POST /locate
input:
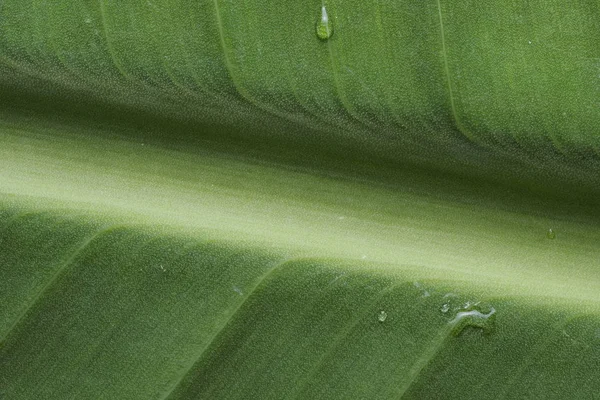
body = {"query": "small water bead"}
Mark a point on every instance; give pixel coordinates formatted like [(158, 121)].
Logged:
[(324, 25), (551, 234), (238, 290), (451, 303), (382, 316)]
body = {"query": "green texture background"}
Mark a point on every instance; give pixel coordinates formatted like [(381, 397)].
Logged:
[(202, 200)]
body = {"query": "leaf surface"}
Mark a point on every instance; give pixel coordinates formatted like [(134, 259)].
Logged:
[(205, 200)]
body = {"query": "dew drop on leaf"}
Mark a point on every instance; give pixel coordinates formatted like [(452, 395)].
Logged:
[(451, 303), (475, 315), (551, 234), (324, 25), (382, 316)]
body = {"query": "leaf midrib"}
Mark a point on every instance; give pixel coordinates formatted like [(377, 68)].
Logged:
[(414, 230)]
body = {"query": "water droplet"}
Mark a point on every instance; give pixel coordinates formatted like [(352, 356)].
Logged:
[(451, 303), (551, 234), (382, 316), (476, 315), (324, 25)]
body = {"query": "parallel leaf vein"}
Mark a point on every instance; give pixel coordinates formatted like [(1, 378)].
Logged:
[(222, 327), (448, 78), (51, 281)]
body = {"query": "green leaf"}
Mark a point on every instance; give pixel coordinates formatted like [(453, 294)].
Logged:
[(208, 200)]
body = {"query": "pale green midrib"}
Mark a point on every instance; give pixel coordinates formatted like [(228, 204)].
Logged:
[(52, 280), (175, 385), (485, 275), (262, 213), (342, 335)]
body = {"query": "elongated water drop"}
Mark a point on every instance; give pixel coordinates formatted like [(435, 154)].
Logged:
[(551, 234), (382, 316), (475, 316), (324, 25)]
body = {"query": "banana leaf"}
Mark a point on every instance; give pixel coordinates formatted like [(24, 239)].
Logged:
[(219, 199)]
